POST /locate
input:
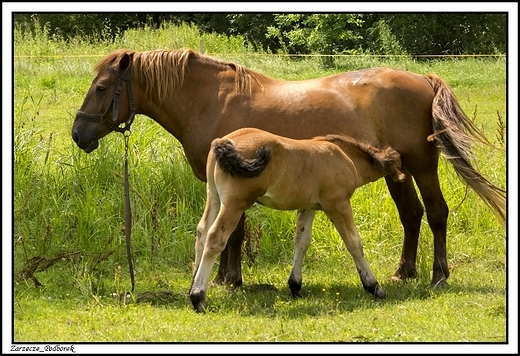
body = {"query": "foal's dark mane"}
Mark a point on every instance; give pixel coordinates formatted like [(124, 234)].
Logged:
[(162, 71), (344, 142)]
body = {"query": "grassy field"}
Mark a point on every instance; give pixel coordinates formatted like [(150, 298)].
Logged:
[(68, 214)]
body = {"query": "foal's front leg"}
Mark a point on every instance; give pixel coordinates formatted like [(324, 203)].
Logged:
[(302, 240), (341, 216)]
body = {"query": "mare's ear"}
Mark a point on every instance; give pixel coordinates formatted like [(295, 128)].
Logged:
[(124, 62)]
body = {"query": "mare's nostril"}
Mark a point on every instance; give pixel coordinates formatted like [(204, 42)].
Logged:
[(75, 137)]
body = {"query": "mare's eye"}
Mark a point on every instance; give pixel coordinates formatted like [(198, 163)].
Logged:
[(100, 89)]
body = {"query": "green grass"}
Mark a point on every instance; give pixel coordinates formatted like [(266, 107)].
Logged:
[(68, 210)]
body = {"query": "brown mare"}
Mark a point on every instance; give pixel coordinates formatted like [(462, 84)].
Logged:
[(251, 165), (198, 98)]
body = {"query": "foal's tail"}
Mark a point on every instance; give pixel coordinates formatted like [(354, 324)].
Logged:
[(232, 162), (454, 132)]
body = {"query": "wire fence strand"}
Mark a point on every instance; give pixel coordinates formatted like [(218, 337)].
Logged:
[(292, 55)]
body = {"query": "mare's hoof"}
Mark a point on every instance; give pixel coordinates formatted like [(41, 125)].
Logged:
[(396, 278), (402, 274), (441, 284), (232, 286), (219, 280), (233, 283)]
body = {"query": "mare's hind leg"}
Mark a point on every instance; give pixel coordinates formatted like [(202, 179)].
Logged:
[(230, 268), (217, 237), (302, 240), (410, 212), (341, 216), (437, 213)]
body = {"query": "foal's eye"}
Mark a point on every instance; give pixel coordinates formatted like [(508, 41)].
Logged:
[(100, 89)]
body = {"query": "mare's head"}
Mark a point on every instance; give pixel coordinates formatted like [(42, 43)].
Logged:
[(108, 104)]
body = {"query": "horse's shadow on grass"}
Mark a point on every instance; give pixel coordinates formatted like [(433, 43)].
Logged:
[(321, 299), (318, 299)]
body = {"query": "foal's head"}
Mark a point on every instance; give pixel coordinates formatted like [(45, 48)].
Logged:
[(386, 160), (389, 161)]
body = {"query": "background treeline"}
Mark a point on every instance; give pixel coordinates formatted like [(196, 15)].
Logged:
[(304, 33)]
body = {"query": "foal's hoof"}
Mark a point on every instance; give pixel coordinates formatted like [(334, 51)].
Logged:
[(297, 293), (295, 285), (375, 290), (198, 300), (379, 293)]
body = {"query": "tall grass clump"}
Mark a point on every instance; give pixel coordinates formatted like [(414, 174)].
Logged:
[(171, 36), (73, 206)]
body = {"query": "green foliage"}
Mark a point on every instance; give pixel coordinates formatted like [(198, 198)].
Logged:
[(300, 33), (437, 33), (184, 35), (322, 34), (383, 40), (93, 26)]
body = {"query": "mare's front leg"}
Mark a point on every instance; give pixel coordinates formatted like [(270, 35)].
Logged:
[(410, 212), (230, 268), (341, 216), (217, 237), (302, 240)]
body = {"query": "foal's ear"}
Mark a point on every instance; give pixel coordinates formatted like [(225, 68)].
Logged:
[(124, 62)]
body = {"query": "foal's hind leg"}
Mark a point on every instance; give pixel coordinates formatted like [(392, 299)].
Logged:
[(341, 216), (410, 212), (218, 235), (302, 240), (210, 214)]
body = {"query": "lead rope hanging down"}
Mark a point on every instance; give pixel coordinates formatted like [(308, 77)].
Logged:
[(128, 214)]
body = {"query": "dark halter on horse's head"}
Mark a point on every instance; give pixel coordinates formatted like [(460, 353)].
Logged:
[(103, 118)]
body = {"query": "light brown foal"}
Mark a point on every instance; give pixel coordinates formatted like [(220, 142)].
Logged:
[(250, 165)]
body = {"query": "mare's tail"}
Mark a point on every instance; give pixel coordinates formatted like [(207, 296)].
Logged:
[(230, 161), (454, 132)]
